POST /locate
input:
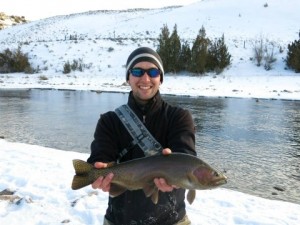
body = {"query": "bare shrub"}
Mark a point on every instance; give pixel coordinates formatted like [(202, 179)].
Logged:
[(258, 52), (269, 57), (264, 54)]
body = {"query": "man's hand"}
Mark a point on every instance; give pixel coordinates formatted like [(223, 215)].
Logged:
[(161, 183), (166, 151), (102, 183)]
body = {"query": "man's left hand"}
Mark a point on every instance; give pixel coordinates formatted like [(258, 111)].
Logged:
[(161, 183)]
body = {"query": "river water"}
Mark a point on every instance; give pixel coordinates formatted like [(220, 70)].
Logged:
[(255, 142)]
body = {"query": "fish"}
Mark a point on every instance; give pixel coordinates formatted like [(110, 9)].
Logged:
[(180, 169)]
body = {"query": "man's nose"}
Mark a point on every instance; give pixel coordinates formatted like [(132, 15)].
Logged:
[(145, 76)]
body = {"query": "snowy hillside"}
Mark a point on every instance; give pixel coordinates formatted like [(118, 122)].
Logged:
[(103, 39)]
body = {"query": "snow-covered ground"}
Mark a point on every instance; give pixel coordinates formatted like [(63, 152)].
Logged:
[(41, 178)]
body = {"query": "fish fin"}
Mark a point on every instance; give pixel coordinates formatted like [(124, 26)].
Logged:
[(81, 167), (191, 196), (80, 182), (116, 190), (149, 189), (154, 196)]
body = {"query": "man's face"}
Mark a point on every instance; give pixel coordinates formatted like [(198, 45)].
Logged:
[(144, 87)]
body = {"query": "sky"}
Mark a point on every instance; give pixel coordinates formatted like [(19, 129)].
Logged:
[(41, 176), (39, 9)]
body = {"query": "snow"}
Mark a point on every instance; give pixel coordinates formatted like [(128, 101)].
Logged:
[(41, 177)]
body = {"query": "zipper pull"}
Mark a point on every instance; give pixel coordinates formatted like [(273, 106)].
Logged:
[(144, 118)]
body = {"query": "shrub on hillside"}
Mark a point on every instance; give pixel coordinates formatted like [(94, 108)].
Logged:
[(293, 56), (67, 68), (258, 52), (14, 61), (76, 65), (264, 54)]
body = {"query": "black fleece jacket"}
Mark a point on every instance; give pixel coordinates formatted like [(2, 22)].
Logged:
[(173, 128)]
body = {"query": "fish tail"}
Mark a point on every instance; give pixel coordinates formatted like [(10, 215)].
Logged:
[(80, 181), (82, 169)]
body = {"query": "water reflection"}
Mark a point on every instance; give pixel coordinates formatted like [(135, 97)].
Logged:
[(294, 123), (255, 142), (251, 140)]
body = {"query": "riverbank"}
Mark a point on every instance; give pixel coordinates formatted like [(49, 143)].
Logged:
[(265, 86)]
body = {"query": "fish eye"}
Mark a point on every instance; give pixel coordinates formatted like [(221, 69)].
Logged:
[(216, 174)]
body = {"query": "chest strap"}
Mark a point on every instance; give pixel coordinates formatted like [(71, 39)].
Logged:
[(138, 131)]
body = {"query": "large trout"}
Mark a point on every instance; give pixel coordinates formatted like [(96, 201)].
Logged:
[(182, 170)]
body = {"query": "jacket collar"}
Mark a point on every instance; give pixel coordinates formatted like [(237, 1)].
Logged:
[(153, 104)]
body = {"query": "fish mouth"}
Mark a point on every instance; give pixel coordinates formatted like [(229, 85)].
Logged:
[(222, 179)]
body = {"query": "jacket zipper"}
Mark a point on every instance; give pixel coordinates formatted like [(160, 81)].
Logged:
[(144, 119)]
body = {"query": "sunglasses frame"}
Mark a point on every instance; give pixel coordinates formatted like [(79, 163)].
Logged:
[(143, 71)]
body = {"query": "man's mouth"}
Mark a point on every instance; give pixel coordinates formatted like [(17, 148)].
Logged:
[(145, 87)]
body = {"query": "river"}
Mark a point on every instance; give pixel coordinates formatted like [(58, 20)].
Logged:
[(255, 142)]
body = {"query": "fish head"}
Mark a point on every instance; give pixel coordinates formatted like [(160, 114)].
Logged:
[(206, 177)]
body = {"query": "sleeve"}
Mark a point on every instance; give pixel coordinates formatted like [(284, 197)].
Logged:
[(104, 147), (181, 137)]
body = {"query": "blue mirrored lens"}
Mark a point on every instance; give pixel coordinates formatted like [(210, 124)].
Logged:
[(138, 72), (153, 72)]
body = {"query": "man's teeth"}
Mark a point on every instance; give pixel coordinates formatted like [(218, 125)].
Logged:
[(145, 87)]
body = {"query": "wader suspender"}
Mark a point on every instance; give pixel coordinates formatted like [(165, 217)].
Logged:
[(138, 131)]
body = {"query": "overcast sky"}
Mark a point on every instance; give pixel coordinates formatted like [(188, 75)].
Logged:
[(38, 9)]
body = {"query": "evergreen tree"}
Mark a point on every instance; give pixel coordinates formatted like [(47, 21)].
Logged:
[(174, 51), (218, 56), (199, 52), (164, 46), (293, 56), (185, 57)]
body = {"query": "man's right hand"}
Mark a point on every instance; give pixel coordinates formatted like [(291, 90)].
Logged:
[(102, 183)]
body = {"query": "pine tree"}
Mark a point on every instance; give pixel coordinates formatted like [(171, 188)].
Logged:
[(174, 51), (199, 52), (293, 56), (218, 56), (164, 46), (185, 56)]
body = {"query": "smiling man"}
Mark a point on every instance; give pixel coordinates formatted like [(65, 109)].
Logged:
[(173, 129)]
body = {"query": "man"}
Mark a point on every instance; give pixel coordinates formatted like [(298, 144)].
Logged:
[(172, 127)]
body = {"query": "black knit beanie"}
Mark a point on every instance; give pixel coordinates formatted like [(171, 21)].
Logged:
[(143, 54)]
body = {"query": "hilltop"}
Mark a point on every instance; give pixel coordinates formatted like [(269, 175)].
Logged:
[(8, 21)]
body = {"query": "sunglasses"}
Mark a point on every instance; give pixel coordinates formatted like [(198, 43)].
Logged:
[(138, 72)]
